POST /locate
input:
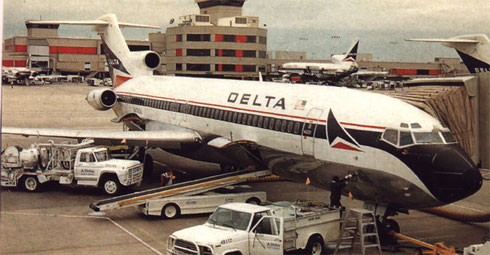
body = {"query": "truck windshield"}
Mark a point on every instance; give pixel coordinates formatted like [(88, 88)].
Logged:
[(101, 156), (229, 218)]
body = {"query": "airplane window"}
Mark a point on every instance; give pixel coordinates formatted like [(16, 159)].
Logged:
[(427, 137), (225, 115), (415, 125), (210, 113), (297, 127), (239, 120), (290, 126), (221, 113), (244, 120), (405, 138), (254, 121), (216, 114), (391, 136), (266, 122), (278, 125), (448, 137), (261, 121), (249, 120), (235, 117), (284, 125), (271, 123), (404, 125), (200, 111)]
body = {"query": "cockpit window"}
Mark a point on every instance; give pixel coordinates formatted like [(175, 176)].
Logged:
[(448, 137), (415, 125), (391, 136), (404, 125), (427, 137), (405, 138)]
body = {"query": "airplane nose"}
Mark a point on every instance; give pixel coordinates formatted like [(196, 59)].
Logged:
[(456, 175)]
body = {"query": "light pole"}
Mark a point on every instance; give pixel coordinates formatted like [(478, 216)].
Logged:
[(334, 38), (393, 44)]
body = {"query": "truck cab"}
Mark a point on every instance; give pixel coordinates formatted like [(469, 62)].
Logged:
[(235, 228), (94, 167)]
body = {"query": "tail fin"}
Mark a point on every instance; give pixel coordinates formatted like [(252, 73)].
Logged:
[(123, 63), (350, 56), (474, 50), (352, 52)]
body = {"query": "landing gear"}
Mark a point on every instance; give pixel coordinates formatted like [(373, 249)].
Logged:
[(384, 224)]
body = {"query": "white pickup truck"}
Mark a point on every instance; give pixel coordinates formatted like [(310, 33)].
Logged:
[(241, 228), (76, 164)]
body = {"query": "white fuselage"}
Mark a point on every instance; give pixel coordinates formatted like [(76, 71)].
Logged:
[(215, 107)]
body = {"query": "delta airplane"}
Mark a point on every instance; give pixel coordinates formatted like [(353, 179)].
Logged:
[(402, 157), (474, 50), (341, 66)]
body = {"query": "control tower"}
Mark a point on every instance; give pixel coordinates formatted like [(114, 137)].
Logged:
[(220, 8)]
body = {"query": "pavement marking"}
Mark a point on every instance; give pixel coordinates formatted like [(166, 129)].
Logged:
[(90, 217)]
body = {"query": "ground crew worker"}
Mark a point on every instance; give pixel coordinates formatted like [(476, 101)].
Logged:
[(168, 178), (336, 186)]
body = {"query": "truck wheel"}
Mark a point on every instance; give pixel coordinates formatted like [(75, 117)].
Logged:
[(171, 211), (253, 201), (111, 186), (31, 183), (315, 245)]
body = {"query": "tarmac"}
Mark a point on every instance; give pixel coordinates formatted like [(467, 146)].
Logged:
[(56, 220)]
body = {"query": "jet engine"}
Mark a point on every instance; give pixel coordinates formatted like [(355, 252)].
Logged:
[(150, 59), (102, 99)]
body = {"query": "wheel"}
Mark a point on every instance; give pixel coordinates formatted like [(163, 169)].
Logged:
[(253, 201), (384, 229), (111, 186), (315, 245), (31, 183), (171, 211)]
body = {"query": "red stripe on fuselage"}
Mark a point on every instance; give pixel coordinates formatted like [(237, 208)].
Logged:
[(246, 110)]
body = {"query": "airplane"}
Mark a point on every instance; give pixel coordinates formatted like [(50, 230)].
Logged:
[(402, 157), (474, 50), (341, 66)]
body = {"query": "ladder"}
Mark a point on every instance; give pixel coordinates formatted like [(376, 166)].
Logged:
[(358, 224), (185, 188)]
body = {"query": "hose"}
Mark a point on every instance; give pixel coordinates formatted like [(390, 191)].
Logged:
[(271, 178), (459, 216)]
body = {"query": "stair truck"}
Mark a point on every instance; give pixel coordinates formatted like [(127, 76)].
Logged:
[(71, 164), (241, 228)]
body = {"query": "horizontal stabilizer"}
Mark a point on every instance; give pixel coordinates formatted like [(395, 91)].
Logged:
[(91, 23), (443, 40)]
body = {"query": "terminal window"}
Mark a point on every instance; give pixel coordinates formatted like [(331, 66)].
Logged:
[(198, 52), (200, 18), (229, 38), (178, 67), (178, 38), (251, 39), (198, 37), (198, 67), (262, 39)]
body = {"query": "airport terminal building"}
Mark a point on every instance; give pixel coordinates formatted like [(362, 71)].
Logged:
[(218, 42)]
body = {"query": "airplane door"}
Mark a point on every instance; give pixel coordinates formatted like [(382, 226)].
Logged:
[(309, 130)]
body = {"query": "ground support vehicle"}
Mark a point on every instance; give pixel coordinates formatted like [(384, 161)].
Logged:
[(172, 207), (241, 228), (188, 188), (74, 164)]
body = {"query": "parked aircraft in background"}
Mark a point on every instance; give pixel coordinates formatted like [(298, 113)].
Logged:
[(341, 66), (18, 75), (474, 50), (402, 158)]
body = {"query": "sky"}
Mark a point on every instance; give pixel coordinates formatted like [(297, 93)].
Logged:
[(302, 25)]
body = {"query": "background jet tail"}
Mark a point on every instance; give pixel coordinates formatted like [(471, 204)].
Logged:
[(123, 64), (350, 56), (474, 50)]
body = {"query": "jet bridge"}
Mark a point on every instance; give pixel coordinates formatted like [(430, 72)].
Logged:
[(185, 188)]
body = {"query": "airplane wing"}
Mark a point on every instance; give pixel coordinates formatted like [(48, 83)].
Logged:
[(443, 40), (164, 139)]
